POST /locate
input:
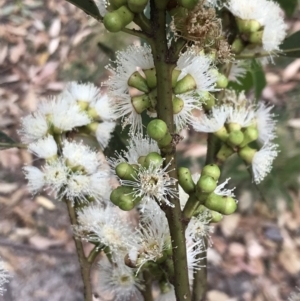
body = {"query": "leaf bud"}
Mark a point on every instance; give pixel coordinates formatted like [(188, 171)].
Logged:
[(137, 81), (153, 158), (184, 85), (211, 170), (206, 184), (178, 105), (250, 134), (151, 77), (185, 180), (140, 103), (125, 171), (157, 129), (235, 138), (223, 204), (247, 153)]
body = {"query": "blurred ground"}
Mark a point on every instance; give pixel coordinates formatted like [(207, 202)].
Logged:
[(256, 252)]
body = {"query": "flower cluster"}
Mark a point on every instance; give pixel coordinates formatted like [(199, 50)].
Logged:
[(238, 122)]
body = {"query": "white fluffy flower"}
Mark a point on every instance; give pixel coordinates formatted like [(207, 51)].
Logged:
[(33, 127), (242, 115), (193, 253), (185, 116), (104, 132), (199, 67), (238, 71), (128, 62), (44, 148), (82, 92), (138, 146), (213, 122), (221, 190), (118, 280), (152, 240), (263, 160), (153, 183), (105, 226), (35, 177), (3, 277), (265, 122), (80, 155), (267, 14), (103, 107)]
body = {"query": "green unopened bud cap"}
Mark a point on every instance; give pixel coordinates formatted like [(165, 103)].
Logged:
[(151, 77), (215, 216), (250, 134), (247, 153), (154, 159), (157, 129), (178, 105), (211, 170), (206, 184), (126, 202), (222, 81), (233, 127), (209, 102), (235, 138), (237, 46), (247, 26), (140, 103), (256, 37), (224, 153), (222, 133), (125, 171), (223, 204), (175, 75), (185, 180), (184, 85), (116, 194), (137, 81)]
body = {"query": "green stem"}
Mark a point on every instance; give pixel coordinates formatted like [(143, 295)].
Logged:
[(93, 254), (165, 112), (4, 145), (147, 293), (200, 278), (136, 33), (85, 265)]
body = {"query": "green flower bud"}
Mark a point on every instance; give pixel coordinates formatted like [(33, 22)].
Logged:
[(235, 138), (256, 37), (115, 21), (126, 202), (247, 26), (222, 81), (223, 204), (209, 102), (250, 134), (189, 4), (141, 160), (211, 170), (175, 75), (153, 157), (151, 77), (118, 192), (137, 6), (178, 105), (233, 127), (185, 180), (157, 129), (165, 141), (125, 171), (206, 184), (184, 85), (200, 209), (237, 46), (221, 133), (138, 82), (224, 153), (140, 103), (247, 153), (115, 4), (215, 216)]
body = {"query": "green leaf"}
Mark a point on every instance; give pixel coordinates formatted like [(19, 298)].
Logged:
[(87, 6), (259, 78), (291, 45), (289, 6), (246, 83)]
